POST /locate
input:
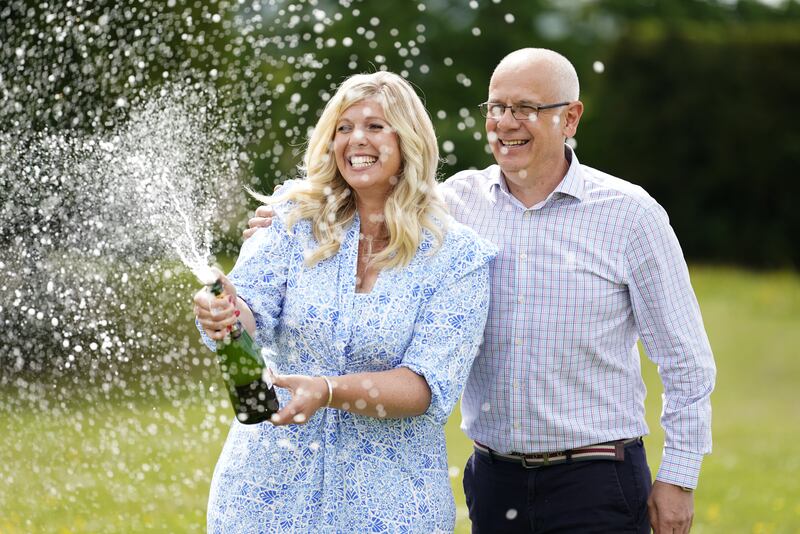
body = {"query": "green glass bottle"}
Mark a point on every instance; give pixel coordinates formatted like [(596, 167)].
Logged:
[(252, 396)]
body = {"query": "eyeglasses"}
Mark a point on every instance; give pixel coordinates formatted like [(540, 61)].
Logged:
[(521, 112)]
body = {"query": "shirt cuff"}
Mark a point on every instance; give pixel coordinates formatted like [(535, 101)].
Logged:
[(207, 341), (680, 468)]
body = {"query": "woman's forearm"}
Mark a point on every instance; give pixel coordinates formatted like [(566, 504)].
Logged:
[(395, 393)]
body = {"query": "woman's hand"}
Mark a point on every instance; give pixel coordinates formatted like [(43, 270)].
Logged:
[(309, 394), (217, 315)]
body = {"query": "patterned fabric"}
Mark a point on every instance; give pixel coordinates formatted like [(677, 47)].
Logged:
[(342, 472), (579, 279)]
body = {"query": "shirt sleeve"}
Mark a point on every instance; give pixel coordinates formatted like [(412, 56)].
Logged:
[(449, 328), (260, 278), (671, 328)]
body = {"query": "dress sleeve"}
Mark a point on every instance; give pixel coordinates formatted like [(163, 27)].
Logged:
[(260, 277), (671, 328), (449, 327)]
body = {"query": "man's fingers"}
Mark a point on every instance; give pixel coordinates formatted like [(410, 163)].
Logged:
[(264, 212), (652, 513), (672, 525)]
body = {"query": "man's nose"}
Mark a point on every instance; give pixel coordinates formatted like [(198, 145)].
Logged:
[(507, 120)]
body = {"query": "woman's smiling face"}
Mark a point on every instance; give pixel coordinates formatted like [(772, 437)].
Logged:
[(367, 149)]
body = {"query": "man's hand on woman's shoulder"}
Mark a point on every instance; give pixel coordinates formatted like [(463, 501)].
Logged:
[(261, 219)]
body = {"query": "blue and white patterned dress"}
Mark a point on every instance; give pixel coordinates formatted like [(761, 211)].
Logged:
[(342, 472)]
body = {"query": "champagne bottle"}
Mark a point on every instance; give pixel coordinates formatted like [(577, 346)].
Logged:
[(252, 395)]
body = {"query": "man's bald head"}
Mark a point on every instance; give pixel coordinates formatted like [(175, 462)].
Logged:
[(548, 64)]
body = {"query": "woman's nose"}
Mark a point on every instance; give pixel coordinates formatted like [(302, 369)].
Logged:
[(358, 138)]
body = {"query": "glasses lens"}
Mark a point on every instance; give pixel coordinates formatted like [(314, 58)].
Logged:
[(524, 113), (496, 111)]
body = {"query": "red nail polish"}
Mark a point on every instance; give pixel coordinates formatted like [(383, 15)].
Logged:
[(230, 328), (237, 312)]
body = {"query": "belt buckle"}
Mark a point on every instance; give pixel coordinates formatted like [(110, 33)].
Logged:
[(544, 457)]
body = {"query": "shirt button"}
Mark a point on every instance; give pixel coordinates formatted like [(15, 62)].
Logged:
[(515, 384), (523, 256), (518, 341), (517, 425), (520, 300), (527, 213)]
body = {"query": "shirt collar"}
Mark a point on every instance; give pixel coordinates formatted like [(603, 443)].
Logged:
[(495, 179), (571, 184)]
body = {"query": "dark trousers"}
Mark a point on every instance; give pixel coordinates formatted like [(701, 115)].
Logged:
[(586, 496)]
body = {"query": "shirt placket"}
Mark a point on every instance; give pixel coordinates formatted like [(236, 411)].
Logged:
[(521, 222)]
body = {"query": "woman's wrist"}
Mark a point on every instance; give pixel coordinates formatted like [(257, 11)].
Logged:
[(329, 387)]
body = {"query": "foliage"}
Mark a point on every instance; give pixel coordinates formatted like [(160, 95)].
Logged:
[(708, 129), (694, 103)]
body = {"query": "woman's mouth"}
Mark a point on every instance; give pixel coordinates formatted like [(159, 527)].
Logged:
[(362, 162)]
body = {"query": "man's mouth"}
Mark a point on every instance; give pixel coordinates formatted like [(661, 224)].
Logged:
[(362, 162), (514, 142)]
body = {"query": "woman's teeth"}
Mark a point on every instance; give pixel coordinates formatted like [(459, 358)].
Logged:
[(361, 162)]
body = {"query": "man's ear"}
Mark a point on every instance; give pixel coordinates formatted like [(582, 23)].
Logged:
[(571, 118)]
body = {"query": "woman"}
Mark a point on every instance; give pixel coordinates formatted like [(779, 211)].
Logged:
[(374, 302)]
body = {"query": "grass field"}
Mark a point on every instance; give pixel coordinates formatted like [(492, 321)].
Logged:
[(145, 465)]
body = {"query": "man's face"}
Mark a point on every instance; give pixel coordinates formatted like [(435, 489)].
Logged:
[(526, 148)]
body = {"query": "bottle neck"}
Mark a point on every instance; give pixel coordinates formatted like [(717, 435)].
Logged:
[(236, 330)]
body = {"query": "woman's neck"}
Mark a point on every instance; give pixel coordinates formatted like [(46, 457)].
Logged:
[(373, 221)]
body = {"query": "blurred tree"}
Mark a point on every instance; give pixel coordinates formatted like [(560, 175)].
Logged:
[(706, 125), (82, 66)]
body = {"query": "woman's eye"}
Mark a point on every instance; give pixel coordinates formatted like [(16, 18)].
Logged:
[(344, 128), (376, 127)]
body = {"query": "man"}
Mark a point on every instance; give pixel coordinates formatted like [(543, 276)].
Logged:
[(588, 265)]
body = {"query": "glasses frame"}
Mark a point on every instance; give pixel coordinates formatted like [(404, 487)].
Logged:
[(484, 107)]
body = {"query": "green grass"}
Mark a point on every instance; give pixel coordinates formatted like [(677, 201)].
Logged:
[(145, 465)]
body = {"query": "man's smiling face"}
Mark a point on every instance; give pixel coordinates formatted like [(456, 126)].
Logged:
[(521, 147)]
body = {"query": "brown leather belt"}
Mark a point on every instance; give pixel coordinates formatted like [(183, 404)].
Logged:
[(612, 450)]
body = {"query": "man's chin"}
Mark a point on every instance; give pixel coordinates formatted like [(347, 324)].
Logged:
[(509, 168)]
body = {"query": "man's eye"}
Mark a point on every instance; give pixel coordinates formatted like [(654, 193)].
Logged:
[(526, 110)]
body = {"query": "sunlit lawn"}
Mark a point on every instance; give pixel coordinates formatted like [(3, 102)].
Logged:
[(79, 473)]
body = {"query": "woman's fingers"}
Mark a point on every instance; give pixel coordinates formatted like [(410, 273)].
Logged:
[(286, 415), (283, 381), (227, 287), (216, 315), (304, 403)]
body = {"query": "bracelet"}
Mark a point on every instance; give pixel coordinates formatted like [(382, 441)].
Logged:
[(330, 391)]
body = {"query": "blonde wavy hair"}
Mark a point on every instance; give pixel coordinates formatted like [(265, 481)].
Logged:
[(412, 207)]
